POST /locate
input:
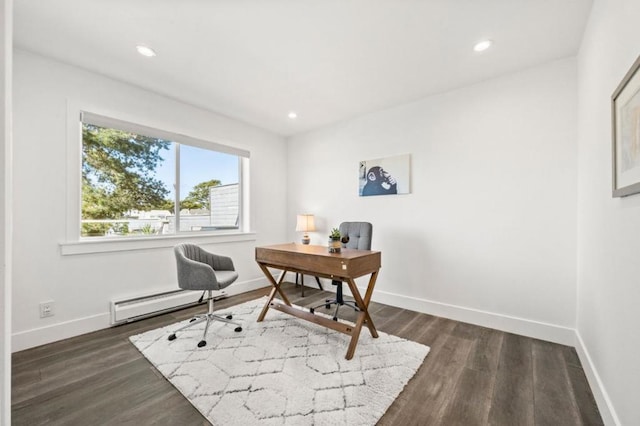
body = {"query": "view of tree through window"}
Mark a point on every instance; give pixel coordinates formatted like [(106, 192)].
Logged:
[(129, 185)]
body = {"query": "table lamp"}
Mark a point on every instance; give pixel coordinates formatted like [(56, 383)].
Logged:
[(305, 224)]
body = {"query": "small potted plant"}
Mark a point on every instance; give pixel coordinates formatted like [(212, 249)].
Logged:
[(334, 241)]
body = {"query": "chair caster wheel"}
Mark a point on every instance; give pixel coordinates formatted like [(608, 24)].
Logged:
[(202, 343), (238, 329), (229, 316), (312, 310), (327, 306), (172, 337), (335, 318)]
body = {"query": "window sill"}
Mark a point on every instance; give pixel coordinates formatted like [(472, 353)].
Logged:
[(105, 245)]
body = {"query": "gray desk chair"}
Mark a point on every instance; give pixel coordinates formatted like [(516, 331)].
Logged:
[(200, 270), (355, 235)]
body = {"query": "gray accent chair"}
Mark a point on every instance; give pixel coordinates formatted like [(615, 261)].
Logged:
[(203, 271), (355, 235)]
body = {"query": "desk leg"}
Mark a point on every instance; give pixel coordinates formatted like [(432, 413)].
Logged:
[(364, 304), (274, 290), (363, 317), (301, 284), (367, 299)]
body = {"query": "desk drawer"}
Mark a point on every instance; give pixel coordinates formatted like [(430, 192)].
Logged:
[(325, 265)]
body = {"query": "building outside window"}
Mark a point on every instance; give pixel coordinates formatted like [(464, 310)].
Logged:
[(139, 181)]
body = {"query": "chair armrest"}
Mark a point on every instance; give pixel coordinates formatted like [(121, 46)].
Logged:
[(218, 262)]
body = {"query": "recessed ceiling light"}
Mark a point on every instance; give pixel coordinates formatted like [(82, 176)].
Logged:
[(293, 115), (483, 45), (145, 51)]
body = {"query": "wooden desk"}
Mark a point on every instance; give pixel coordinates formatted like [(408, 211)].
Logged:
[(316, 260)]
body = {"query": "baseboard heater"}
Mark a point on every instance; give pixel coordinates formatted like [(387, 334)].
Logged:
[(133, 309)]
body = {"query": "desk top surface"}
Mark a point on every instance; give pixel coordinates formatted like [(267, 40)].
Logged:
[(318, 250)]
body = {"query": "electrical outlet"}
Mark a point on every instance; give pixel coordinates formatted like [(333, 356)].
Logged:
[(47, 309)]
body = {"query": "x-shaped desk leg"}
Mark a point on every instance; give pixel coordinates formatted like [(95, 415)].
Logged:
[(363, 317), (274, 290)]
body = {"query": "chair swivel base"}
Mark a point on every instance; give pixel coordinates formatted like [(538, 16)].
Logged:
[(209, 318), (330, 302), (338, 301)]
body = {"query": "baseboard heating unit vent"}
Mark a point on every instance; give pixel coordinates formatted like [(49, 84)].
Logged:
[(123, 311)]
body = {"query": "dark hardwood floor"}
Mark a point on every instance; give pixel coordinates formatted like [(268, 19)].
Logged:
[(472, 376)]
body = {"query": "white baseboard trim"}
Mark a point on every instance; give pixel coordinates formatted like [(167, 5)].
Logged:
[(607, 412), (522, 326), (539, 330), (63, 330)]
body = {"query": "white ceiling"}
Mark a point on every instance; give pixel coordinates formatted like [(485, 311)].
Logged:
[(328, 60)]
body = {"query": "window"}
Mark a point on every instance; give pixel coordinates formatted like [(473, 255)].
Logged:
[(140, 181)]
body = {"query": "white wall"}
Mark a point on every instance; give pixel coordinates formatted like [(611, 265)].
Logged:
[(488, 233), (6, 27), (608, 313), (83, 285)]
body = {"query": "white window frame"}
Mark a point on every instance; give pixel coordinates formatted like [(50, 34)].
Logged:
[(76, 244)]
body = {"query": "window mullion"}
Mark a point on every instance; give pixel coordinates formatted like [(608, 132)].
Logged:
[(177, 189)]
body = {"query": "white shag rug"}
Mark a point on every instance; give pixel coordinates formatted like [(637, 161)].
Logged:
[(282, 371)]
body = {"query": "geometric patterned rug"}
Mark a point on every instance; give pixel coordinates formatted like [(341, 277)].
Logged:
[(282, 371)]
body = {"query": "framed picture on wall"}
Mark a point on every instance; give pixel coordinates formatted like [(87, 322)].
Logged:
[(625, 114), (385, 176)]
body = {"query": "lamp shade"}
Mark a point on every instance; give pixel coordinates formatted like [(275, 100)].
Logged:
[(305, 223)]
